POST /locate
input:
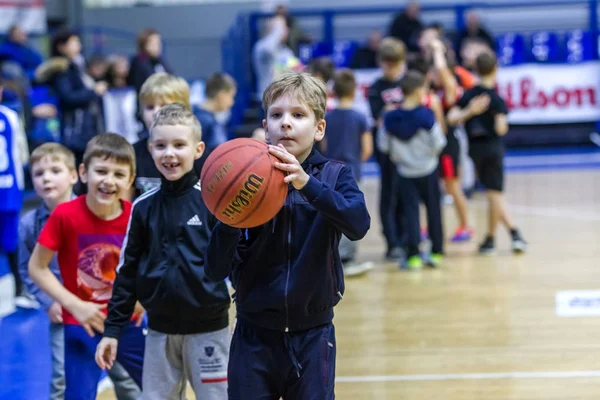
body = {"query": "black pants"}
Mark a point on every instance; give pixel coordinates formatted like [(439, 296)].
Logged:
[(412, 191), (390, 207)]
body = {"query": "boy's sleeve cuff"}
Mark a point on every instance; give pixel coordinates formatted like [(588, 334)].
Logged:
[(112, 332), (312, 189)]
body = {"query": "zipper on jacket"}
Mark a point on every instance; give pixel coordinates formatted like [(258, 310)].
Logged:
[(289, 256)]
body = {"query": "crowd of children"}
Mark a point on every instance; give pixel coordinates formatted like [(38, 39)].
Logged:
[(139, 289)]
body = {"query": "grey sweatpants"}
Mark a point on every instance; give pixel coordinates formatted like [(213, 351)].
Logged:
[(172, 360), (125, 387)]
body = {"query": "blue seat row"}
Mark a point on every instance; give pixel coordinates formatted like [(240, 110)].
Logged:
[(512, 48)]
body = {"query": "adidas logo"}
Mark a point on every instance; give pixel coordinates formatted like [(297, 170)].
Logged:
[(195, 221)]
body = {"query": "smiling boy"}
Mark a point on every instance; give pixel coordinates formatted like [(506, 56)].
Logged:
[(87, 234), (162, 266)]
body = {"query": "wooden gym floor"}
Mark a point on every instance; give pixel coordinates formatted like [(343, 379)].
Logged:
[(480, 327)]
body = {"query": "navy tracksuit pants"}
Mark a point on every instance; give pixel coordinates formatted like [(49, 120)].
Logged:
[(390, 207), (269, 365), (412, 191)]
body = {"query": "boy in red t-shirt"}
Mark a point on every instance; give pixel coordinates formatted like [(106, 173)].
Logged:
[(87, 233)]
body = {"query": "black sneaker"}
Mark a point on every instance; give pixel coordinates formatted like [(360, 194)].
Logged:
[(519, 245), (395, 254), (488, 246)]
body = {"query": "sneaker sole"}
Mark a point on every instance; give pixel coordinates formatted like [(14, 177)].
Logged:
[(487, 252)]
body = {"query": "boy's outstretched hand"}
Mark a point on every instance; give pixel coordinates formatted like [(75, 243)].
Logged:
[(106, 352), (89, 315), (289, 163)]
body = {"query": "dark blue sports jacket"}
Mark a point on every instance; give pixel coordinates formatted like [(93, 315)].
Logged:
[(287, 273)]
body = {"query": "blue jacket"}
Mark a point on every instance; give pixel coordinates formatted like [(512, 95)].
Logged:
[(287, 273), (30, 226)]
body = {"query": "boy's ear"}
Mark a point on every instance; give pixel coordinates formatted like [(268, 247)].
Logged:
[(320, 130), (199, 150), (267, 139), (82, 173), (74, 176)]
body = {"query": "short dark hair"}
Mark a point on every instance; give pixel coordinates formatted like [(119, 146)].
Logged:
[(486, 63), (344, 83), (411, 81), (419, 63), (143, 36), (322, 66), (60, 39), (219, 82), (110, 146)]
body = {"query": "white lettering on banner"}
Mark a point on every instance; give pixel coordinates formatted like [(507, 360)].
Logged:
[(578, 303), (534, 93)]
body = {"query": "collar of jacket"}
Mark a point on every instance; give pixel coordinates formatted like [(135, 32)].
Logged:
[(183, 184), (314, 159)]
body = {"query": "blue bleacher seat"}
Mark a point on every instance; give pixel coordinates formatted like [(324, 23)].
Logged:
[(510, 49), (544, 47), (579, 46)]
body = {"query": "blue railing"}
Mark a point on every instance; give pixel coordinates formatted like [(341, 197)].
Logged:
[(237, 45)]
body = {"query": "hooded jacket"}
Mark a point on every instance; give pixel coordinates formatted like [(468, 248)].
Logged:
[(415, 141)]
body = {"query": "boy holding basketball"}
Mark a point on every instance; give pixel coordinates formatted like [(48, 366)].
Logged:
[(162, 265), (287, 273)]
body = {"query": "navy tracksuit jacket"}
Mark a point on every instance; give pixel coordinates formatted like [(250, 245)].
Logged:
[(288, 277)]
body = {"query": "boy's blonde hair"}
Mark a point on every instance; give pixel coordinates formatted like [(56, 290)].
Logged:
[(56, 152), (110, 146), (177, 114), (306, 88), (165, 89), (391, 50)]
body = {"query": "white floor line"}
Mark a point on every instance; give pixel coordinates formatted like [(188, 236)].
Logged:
[(482, 376), (105, 384)]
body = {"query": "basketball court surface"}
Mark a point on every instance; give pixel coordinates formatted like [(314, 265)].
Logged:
[(478, 328)]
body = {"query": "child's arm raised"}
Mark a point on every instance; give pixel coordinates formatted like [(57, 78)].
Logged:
[(87, 313), (344, 205)]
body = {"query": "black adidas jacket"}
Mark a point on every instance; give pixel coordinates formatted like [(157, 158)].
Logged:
[(162, 264)]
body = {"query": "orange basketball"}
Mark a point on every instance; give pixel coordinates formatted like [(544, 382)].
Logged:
[(240, 184)]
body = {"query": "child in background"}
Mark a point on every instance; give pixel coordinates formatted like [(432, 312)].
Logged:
[(348, 140), (484, 112), (220, 95), (416, 140)]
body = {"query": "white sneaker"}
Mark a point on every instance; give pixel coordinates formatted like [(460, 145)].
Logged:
[(355, 269), (26, 300)]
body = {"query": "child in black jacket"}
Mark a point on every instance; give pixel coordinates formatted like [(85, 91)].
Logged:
[(162, 265)]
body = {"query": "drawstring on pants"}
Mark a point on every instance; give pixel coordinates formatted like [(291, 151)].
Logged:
[(288, 344)]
